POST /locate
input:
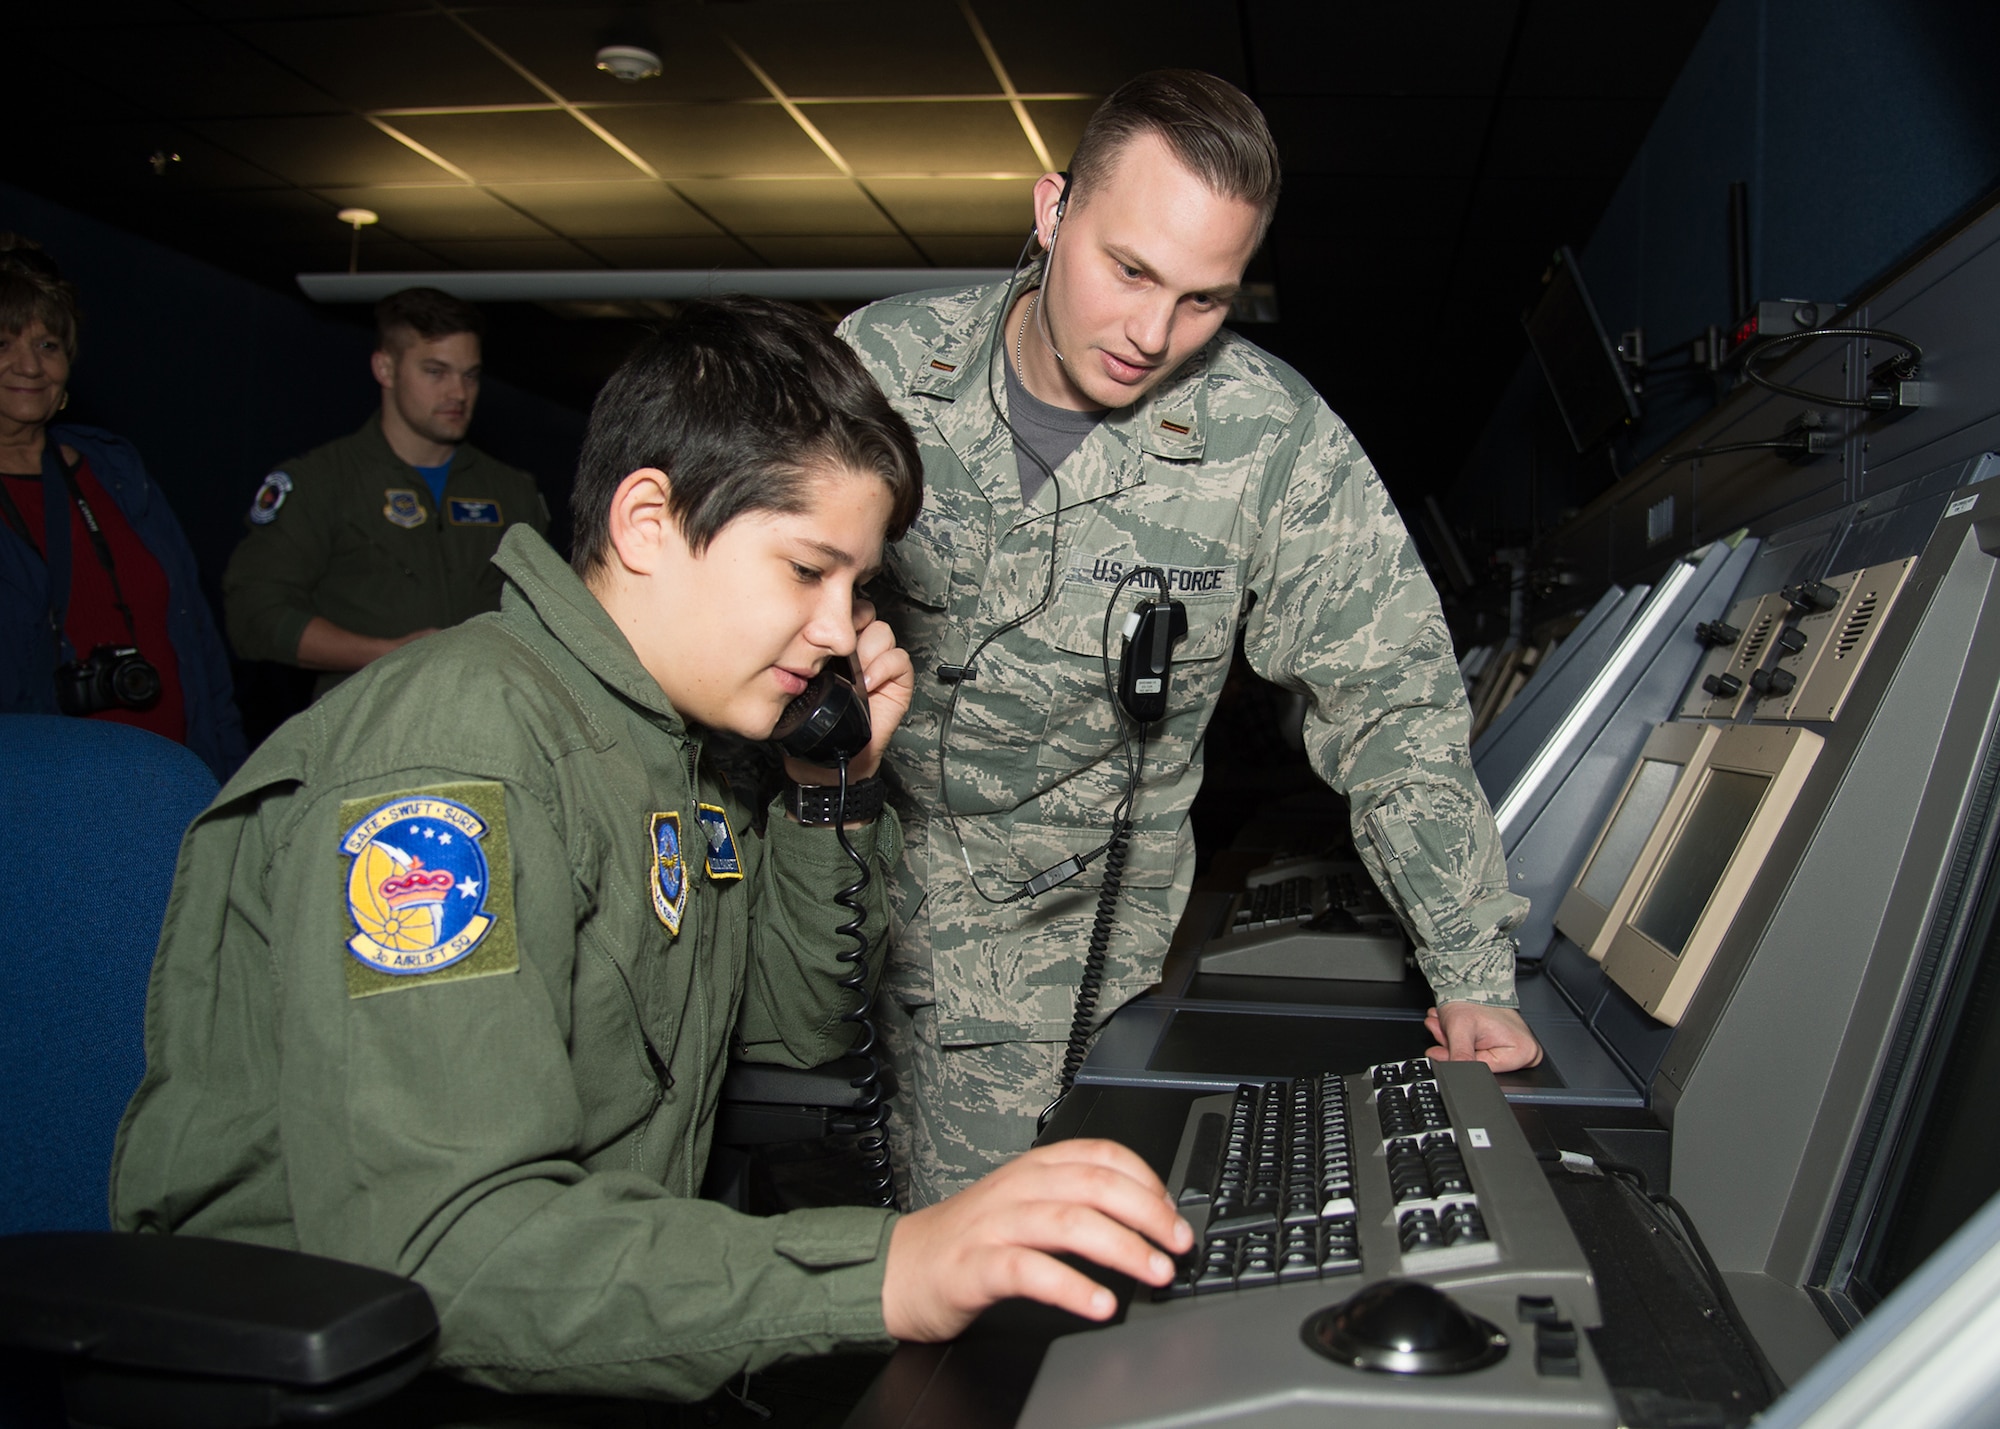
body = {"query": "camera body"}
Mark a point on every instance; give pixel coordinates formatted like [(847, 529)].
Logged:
[(111, 677)]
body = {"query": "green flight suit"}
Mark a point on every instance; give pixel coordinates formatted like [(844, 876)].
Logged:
[(522, 1129), (1238, 483), (349, 531)]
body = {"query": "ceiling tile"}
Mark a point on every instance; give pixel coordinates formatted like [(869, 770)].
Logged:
[(632, 208), (1061, 124), (1587, 48), (1567, 138), (1445, 47), (487, 253), (716, 140), (1344, 134), (970, 250), (379, 253), (1317, 206), (189, 71), (334, 149), (424, 212), (962, 138), (891, 251), (968, 206), (786, 206), (718, 251), (522, 146), (116, 158), (560, 43), (1062, 46), (390, 60), (882, 47), (254, 216)]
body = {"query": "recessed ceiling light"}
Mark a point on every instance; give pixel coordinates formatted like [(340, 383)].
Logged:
[(630, 63)]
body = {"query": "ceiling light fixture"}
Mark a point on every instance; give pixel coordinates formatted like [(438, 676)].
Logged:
[(631, 63), (358, 219)]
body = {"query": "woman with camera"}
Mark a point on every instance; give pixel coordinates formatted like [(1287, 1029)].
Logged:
[(101, 610)]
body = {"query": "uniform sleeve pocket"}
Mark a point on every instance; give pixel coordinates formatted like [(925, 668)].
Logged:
[(1425, 862)]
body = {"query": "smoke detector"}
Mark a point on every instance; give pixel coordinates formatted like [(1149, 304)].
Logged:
[(630, 63)]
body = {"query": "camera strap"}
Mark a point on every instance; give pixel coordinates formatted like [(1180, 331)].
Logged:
[(60, 489)]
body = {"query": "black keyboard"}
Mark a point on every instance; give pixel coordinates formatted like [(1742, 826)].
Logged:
[(1303, 1192), (1308, 918)]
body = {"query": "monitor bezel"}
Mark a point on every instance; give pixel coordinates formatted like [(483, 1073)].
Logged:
[(1656, 979), (1581, 918)]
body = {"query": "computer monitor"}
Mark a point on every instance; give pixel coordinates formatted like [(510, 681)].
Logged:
[(1648, 807), (1585, 372), (1686, 900)]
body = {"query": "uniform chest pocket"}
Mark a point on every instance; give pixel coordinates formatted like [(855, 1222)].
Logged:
[(920, 570), (1081, 722)]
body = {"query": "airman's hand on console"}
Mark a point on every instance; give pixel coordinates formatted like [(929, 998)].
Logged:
[(998, 1238), (1473, 1032)]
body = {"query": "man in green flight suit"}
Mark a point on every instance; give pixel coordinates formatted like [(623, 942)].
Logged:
[(1091, 434), (453, 965), (388, 534)]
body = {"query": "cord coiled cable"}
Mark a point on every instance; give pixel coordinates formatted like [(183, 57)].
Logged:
[(870, 1107)]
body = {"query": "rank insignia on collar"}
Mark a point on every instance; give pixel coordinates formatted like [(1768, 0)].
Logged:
[(425, 901), (723, 864), (403, 509), (669, 881)]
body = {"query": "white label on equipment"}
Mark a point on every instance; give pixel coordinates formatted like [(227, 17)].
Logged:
[(1960, 506), (1145, 687), (1477, 1136)]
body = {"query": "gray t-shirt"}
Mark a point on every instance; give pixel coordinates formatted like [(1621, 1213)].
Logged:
[(1041, 430)]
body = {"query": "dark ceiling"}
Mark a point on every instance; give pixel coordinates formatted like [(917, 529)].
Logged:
[(1434, 154)]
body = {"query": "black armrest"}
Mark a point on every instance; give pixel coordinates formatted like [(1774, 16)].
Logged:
[(179, 1330)]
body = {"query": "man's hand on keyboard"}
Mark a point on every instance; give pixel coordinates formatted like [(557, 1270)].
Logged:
[(998, 1238), (1471, 1031)]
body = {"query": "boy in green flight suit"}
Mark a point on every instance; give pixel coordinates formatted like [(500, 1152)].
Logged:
[(452, 967)]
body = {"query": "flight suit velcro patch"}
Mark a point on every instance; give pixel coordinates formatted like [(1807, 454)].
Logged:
[(429, 886)]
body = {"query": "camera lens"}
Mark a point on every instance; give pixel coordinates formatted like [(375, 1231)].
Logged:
[(135, 682)]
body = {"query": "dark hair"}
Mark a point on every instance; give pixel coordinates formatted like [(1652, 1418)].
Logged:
[(32, 289), (741, 402), (430, 313), (1210, 125)]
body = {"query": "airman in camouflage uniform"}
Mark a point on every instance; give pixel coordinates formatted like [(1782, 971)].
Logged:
[(1232, 478)]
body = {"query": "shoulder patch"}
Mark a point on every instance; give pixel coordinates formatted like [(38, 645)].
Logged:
[(473, 511), (669, 880), (270, 496), (429, 885), (723, 864), (403, 509)]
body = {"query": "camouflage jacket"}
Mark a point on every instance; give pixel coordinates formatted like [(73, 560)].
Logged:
[(1237, 482), (510, 1095)]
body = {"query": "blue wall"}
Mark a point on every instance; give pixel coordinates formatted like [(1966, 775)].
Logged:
[(217, 379), (1860, 126)]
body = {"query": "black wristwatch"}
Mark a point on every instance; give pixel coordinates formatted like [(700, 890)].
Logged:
[(820, 803)]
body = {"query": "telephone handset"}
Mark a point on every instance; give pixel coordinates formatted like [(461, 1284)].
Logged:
[(827, 721)]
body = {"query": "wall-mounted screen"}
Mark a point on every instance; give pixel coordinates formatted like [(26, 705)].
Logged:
[(1632, 836), (1685, 902)]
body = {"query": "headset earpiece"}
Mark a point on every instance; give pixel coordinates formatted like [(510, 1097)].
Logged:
[(1062, 204)]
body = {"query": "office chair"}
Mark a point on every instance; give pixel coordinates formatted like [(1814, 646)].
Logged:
[(144, 1330)]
